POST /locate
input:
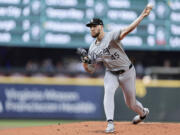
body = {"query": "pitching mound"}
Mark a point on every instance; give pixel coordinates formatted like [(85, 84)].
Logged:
[(97, 128)]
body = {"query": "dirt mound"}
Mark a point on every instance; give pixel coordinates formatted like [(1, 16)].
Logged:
[(97, 128)]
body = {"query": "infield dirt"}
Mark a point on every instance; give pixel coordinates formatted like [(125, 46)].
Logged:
[(97, 128)]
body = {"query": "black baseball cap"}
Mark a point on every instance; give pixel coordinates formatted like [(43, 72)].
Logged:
[(95, 21)]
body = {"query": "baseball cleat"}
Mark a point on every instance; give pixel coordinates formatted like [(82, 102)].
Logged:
[(110, 127), (137, 119)]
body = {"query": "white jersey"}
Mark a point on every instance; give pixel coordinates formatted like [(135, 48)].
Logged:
[(110, 51)]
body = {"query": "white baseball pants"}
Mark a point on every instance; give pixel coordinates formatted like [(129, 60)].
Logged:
[(127, 82)]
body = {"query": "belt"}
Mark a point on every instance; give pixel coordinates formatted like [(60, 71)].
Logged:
[(120, 71)]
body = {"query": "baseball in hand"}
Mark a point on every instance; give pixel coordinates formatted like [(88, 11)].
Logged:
[(149, 5)]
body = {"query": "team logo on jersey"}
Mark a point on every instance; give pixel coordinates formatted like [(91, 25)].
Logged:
[(104, 52), (100, 53)]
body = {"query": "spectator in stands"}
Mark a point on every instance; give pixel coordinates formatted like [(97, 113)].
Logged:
[(167, 63), (32, 66), (47, 66)]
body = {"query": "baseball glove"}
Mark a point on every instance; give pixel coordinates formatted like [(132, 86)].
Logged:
[(84, 55)]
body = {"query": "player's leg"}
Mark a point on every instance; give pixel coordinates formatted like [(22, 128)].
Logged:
[(127, 82), (110, 85)]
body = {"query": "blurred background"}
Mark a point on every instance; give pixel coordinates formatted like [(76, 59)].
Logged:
[(41, 75)]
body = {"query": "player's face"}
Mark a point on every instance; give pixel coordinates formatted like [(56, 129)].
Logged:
[(95, 30)]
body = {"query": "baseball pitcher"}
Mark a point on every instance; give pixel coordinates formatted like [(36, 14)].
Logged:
[(120, 72)]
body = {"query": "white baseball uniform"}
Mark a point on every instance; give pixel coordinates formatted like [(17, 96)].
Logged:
[(110, 51)]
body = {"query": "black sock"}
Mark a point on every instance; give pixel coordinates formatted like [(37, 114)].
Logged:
[(110, 120), (142, 117)]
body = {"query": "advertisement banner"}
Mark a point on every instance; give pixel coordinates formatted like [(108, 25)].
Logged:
[(50, 101)]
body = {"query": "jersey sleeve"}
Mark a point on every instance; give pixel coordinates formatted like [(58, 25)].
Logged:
[(116, 35)]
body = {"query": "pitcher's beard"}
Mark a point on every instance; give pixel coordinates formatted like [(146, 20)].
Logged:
[(95, 36)]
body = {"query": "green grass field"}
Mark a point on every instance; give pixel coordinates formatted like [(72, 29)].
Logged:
[(15, 123)]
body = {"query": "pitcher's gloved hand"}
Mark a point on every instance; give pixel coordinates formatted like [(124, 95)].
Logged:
[(84, 55)]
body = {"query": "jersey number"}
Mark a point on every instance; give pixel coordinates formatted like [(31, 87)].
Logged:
[(115, 56)]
